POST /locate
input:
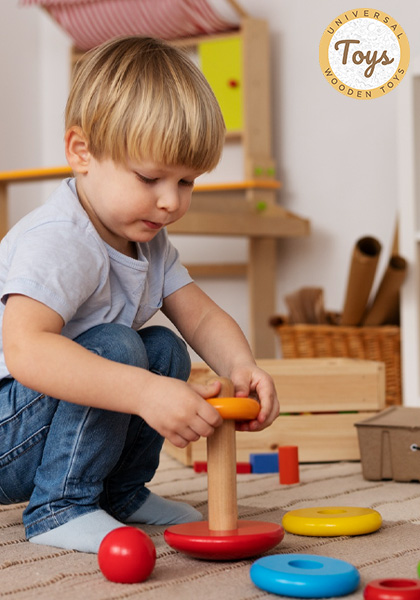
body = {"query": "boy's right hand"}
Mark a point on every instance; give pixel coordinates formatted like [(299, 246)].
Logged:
[(178, 410)]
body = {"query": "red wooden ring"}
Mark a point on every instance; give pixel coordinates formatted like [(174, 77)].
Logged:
[(393, 589), (250, 538)]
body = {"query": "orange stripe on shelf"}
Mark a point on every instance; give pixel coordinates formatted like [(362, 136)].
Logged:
[(65, 171), (239, 185), (34, 174)]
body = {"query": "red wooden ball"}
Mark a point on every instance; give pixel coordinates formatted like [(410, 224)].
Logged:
[(127, 555)]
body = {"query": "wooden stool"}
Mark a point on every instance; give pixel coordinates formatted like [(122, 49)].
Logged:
[(223, 537)]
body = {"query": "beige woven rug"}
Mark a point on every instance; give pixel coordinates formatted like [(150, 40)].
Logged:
[(35, 572)]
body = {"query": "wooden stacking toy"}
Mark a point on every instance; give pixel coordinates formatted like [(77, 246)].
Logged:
[(223, 537)]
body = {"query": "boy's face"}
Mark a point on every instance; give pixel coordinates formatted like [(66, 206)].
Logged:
[(133, 202)]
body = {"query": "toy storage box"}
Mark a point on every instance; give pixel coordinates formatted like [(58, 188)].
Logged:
[(382, 344), (390, 444), (320, 401)]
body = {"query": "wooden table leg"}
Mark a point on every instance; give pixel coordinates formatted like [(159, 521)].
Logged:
[(262, 294)]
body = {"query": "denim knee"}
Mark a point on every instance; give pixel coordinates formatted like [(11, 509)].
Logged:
[(115, 342), (167, 352)]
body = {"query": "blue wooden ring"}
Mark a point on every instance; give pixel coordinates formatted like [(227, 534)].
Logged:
[(304, 575)]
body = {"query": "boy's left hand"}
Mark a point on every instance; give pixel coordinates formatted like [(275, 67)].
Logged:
[(250, 380)]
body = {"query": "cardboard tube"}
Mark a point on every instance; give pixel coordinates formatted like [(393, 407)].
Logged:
[(362, 273), (386, 301)]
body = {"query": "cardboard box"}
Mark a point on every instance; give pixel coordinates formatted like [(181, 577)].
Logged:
[(390, 444), (321, 399)]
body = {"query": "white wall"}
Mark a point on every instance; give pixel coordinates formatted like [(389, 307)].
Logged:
[(337, 157), (34, 70)]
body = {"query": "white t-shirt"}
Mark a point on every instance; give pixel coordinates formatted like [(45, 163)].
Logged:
[(55, 255)]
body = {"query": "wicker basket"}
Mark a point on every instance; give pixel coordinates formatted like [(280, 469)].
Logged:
[(369, 343)]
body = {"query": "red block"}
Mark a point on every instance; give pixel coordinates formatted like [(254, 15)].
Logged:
[(288, 464), (200, 466)]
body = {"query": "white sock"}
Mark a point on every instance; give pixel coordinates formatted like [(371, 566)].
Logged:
[(83, 533), (160, 511)]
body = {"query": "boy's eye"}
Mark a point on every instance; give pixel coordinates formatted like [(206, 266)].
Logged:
[(144, 179), (152, 180)]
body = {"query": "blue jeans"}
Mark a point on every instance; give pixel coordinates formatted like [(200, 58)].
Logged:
[(68, 459)]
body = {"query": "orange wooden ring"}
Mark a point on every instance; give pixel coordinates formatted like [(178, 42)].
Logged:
[(236, 409)]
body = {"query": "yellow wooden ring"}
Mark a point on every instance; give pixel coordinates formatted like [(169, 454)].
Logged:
[(236, 409), (332, 520)]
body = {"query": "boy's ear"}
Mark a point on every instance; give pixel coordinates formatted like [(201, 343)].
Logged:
[(77, 150)]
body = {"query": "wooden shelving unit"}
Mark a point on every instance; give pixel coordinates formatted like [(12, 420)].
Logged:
[(409, 232), (250, 210)]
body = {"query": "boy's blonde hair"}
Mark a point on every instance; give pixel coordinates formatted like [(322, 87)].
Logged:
[(137, 98)]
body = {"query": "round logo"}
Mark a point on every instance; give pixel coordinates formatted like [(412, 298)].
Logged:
[(364, 53)]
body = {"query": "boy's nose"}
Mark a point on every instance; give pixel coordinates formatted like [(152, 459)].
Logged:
[(169, 200)]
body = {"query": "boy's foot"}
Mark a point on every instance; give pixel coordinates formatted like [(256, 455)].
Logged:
[(160, 511), (84, 533)]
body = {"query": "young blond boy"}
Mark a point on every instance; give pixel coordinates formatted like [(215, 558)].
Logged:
[(87, 394)]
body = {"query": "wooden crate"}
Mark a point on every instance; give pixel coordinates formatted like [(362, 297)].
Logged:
[(381, 344), (320, 398)]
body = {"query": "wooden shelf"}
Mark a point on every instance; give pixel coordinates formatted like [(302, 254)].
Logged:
[(229, 209), (274, 224), (217, 270), (246, 209)]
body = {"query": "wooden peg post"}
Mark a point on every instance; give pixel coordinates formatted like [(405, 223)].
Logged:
[(221, 472)]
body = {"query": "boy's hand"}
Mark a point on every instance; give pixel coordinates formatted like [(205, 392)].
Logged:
[(178, 410), (250, 380)]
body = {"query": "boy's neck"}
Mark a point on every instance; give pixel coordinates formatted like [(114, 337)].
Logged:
[(132, 250), (129, 250)]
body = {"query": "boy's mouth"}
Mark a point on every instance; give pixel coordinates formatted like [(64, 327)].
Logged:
[(153, 225)]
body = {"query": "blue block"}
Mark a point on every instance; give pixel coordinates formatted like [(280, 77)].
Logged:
[(264, 462)]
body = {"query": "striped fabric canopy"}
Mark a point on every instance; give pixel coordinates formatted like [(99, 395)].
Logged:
[(91, 22)]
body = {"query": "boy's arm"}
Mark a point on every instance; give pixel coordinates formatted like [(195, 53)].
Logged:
[(39, 357), (217, 338)]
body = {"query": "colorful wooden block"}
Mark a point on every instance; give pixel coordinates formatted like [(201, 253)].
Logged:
[(200, 466), (289, 465), (265, 462)]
